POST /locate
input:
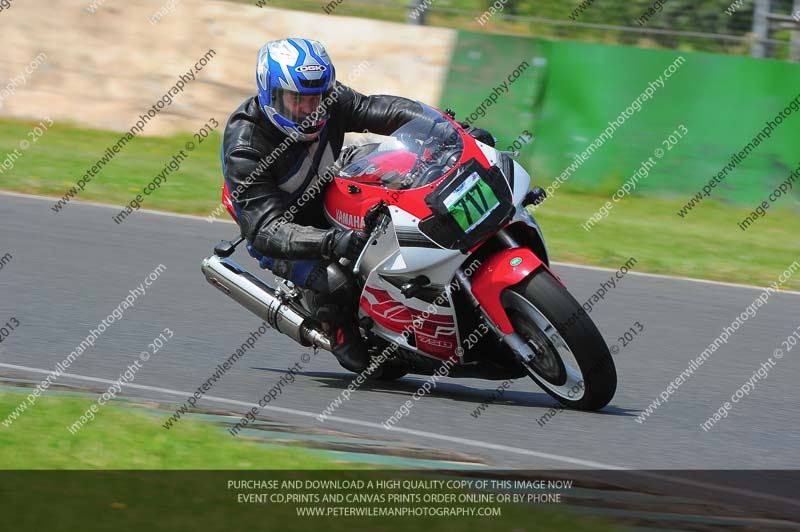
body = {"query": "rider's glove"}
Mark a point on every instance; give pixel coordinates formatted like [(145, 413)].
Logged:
[(479, 134), (348, 243)]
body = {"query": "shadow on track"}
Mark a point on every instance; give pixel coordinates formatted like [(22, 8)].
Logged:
[(406, 386)]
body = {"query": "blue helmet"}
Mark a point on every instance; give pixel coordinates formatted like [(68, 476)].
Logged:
[(294, 78)]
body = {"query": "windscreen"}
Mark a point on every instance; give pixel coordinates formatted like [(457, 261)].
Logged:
[(416, 154)]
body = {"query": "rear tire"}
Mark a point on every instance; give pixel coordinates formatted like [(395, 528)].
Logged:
[(388, 373), (573, 364), (390, 370)]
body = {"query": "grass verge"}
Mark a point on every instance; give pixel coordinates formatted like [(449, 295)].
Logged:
[(121, 437), (708, 244)]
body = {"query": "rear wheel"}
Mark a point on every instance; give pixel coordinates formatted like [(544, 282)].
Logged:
[(388, 373), (390, 370), (572, 362)]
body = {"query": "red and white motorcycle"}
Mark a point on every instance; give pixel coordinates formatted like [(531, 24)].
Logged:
[(456, 271)]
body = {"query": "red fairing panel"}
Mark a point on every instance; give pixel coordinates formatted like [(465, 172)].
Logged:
[(505, 268), (226, 200), (387, 311), (435, 334), (349, 209)]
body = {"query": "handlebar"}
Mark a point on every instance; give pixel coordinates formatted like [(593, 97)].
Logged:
[(373, 216), (372, 222)]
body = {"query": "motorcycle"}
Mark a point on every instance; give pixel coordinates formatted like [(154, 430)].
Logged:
[(455, 274)]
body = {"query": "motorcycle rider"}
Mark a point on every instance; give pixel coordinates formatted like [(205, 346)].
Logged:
[(278, 154)]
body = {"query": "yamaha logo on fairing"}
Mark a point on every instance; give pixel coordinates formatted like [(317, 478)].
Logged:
[(311, 68), (345, 218)]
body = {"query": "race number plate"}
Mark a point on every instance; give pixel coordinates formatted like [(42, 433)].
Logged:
[(471, 202)]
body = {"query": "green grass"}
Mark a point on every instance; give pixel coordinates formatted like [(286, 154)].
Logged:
[(64, 153), (706, 244), (122, 437)]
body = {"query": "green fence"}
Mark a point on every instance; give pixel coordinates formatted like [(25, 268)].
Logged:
[(574, 90)]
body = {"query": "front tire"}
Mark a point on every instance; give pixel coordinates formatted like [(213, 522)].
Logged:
[(572, 364)]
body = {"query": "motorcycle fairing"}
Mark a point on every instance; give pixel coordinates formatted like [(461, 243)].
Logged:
[(433, 322), (503, 269), (468, 206)]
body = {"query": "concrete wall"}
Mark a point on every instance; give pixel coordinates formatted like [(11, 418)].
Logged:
[(104, 68)]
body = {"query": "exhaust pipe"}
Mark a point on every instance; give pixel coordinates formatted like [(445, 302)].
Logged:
[(259, 298)]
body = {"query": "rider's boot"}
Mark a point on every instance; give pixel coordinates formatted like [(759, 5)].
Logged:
[(350, 349), (334, 297)]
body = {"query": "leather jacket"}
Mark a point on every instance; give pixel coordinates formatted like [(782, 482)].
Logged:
[(278, 183)]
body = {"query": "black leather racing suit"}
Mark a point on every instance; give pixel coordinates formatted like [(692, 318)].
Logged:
[(267, 174)]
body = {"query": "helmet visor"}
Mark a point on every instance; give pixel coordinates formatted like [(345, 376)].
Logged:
[(305, 110)]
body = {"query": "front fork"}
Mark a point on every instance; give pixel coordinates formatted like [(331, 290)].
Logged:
[(514, 341), (503, 269)]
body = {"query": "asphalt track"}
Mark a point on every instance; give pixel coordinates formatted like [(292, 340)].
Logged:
[(70, 270)]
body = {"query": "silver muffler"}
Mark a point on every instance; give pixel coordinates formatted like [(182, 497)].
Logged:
[(262, 300)]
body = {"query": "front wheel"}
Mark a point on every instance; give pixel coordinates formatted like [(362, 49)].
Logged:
[(572, 362)]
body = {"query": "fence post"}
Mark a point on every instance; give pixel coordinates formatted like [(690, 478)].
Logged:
[(760, 28), (416, 12), (794, 50)]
